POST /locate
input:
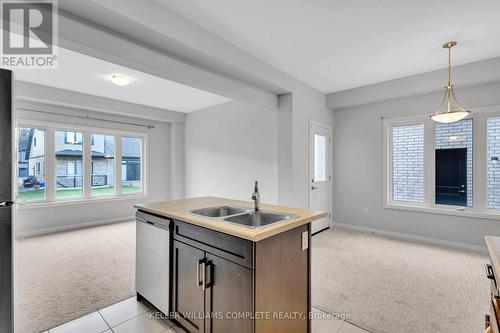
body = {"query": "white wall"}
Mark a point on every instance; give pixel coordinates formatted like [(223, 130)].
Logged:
[(228, 147), (32, 220), (357, 169), (308, 105)]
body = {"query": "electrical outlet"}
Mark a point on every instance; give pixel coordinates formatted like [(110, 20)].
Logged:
[(305, 240), (364, 211)]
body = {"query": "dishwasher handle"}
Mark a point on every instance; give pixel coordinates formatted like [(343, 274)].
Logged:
[(489, 272), (153, 220)]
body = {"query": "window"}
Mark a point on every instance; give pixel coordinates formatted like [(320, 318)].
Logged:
[(131, 165), (444, 168), (319, 158), (78, 171), (73, 138), (69, 164), (453, 156), (102, 164), (493, 162), (408, 163), (30, 162)]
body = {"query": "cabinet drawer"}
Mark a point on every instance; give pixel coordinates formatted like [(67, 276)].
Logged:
[(232, 248)]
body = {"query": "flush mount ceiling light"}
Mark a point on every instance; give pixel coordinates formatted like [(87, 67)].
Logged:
[(120, 80), (452, 113)]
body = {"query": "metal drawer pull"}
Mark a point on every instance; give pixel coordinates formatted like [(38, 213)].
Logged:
[(203, 275), (206, 265), (489, 272), (201, 262)]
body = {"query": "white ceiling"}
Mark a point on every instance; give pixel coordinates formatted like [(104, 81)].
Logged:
[(78, 72), (335, 45)]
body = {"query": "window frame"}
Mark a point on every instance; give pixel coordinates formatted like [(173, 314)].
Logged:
[(116, 138), (50, 165), (479, 207)]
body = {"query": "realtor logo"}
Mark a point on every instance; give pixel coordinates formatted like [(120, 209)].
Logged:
[(29, 34)]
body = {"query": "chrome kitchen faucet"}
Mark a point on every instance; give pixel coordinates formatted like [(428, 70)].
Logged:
[(256, 197)]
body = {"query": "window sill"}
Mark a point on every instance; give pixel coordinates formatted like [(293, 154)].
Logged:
[(490, 214), (79, 201)]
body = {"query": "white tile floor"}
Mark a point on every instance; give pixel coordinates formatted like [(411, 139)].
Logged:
[(131, 316)]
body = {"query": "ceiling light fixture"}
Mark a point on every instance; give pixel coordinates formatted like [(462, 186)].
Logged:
[(120, 80), (451, 114)]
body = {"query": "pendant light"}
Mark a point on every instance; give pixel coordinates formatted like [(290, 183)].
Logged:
[(451, 114)]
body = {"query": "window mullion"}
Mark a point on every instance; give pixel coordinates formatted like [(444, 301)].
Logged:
[(50, 164), (429, 162), (87, 177), (118, 164), (479, 166)]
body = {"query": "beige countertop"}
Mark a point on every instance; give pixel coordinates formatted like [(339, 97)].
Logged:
[(178, 209), (493, 245)]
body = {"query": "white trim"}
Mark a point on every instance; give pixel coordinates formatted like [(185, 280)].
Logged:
[(78, 201), (44, 231), (489, 214), (413, 238), (329, 168), (22, 122), (118, 163), (87, 160)]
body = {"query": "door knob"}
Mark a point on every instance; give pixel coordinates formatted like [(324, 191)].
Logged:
[(6, 203)]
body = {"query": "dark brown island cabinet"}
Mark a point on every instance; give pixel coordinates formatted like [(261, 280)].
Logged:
[(222, 283)]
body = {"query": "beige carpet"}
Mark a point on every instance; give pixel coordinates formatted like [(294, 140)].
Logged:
[(63, 276), (391, 286)]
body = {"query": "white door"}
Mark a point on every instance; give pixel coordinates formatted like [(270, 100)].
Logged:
[(320, 174)]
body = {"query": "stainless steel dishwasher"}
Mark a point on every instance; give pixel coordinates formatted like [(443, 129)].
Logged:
[(152, 272)]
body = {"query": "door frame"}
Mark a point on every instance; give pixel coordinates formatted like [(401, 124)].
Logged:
[(310, 175)]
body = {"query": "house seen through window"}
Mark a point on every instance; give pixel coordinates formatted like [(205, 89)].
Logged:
[(69, 164), (102, 164), (31, 164), (131, 164)]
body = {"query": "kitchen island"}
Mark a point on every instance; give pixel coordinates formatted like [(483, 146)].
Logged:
[(228, 275)]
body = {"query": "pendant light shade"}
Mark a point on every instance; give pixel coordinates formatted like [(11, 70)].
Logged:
[(453, 111)]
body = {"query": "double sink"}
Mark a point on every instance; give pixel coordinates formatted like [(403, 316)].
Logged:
[(242, 216)]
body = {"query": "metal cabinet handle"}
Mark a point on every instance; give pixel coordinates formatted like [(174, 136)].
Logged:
[(203, 275), (206, 265), (199, 265), (489, 272), (314, 188)]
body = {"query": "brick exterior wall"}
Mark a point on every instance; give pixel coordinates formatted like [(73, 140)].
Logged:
[(408, 163), (458, 135), (493, 169)]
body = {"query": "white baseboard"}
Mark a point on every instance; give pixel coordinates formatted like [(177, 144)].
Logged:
[(418, 239), (44, 231)]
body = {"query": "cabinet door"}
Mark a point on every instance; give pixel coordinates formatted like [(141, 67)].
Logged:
[(229, 292), (187, 294)]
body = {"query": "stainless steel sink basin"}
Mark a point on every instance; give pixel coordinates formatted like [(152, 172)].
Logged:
[(219, 211), (241, 215), (257, 219)]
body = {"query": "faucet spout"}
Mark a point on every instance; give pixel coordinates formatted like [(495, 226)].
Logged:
[(256, 197)]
